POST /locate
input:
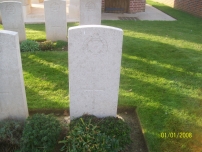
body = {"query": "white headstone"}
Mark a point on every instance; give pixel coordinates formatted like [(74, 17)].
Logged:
[(55, 20), (12, 18), (90, 12), (13, 102), (74, 9), (26, 6), (94, 57)]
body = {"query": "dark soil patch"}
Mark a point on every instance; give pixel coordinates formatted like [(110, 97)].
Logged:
[(5, 147), (128, 114)]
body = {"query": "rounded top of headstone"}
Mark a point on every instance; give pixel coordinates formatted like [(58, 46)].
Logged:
[(95, 26), (11, 2), (8, 32)]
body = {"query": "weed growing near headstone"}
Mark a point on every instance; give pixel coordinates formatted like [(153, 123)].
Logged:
[(116, 127), (46, 46), (40, 133), (89, 133), (29, 46)]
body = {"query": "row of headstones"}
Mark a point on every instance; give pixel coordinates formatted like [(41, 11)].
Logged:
[(94, 59), (55, 17)]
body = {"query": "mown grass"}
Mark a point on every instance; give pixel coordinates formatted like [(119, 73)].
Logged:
[(46, 79), (161, 75)]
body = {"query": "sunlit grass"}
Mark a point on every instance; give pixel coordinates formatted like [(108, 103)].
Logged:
[(35, 32), (161, 75), (46, 79)]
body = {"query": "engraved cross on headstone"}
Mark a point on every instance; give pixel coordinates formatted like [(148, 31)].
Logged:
[(96, 48)]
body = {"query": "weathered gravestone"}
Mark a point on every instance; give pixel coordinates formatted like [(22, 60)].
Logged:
[(13, 102), (55, 20), (12, 18), (90, 12), (94, 56)]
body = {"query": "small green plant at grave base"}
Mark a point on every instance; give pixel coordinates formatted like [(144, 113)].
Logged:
[(61, 44), (10, 134), (46, 46), (40, 133), (87, 133), (29, 46), (118, 128)]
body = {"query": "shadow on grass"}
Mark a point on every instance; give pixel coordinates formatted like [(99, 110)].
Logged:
[(34, 99), (171, 101), (186, 28), (49, 81), (183, 61), (166, 83), (49, 70), (164, 111), (56, 58)]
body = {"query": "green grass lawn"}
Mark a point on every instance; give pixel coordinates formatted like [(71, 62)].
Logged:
[(161, 75)]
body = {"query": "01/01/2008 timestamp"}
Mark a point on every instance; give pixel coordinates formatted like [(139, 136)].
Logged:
[(176, 135)]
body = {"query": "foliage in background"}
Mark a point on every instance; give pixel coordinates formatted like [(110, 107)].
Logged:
[(89, 133), (29, 46), (40, 134), (10, 135), (46, 45)]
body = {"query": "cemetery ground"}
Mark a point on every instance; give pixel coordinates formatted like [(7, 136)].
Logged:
[(161, 75)]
